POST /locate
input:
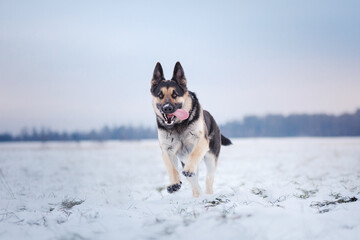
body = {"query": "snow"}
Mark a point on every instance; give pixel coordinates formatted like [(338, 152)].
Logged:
[(264, 189)]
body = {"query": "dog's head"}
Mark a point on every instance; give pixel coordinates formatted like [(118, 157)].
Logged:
[(170, 97)]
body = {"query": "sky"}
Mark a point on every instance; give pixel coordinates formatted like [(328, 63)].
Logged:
[(78, 65)]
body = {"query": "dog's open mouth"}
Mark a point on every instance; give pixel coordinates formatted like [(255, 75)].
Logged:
[(169, 119)]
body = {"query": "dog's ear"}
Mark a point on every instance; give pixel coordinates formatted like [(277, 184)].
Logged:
[(158, 75), (179, 75)]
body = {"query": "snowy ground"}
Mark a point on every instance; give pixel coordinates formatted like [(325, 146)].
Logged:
[(289, 188)]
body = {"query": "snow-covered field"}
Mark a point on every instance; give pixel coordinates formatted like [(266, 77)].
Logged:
[(288, 188)]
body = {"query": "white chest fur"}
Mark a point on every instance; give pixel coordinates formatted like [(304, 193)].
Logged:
[(181, 145)]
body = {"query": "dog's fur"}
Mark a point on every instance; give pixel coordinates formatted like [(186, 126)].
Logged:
[(191, 140)]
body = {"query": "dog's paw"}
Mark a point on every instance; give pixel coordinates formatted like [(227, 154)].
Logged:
[(188, 174), (174, 187)]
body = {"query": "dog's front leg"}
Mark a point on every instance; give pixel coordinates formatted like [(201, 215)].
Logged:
[(191, 167), (169, 161)]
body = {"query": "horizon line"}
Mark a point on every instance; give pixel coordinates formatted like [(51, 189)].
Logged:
[(49, 129)]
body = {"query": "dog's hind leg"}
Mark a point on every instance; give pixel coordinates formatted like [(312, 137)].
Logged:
[(210, 162)]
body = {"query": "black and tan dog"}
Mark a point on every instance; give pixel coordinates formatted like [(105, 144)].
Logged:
[(186, 131)]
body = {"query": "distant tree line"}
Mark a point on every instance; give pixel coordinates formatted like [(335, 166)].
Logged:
[(106, 133), (320, 125)]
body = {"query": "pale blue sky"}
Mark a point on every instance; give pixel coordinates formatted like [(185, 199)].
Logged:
[(68, 65)]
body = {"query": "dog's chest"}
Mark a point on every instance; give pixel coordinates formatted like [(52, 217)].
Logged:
[(179, 144)]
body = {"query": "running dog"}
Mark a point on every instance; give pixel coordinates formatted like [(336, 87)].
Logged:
[(186, 131)]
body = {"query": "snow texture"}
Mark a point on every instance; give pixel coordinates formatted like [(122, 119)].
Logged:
[(288, 188)]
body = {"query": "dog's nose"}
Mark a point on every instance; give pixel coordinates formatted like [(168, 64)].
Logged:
[(168, 108)]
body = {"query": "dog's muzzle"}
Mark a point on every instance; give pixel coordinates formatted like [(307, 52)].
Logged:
[(168, 108)]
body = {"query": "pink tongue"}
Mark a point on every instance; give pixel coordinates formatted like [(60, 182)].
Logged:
[(181, 113)]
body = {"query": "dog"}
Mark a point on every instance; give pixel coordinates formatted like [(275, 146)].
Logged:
[(185, 130)]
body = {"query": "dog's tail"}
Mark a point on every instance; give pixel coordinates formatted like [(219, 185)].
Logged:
[(225, 141)]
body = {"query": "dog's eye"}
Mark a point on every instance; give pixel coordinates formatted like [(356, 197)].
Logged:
[(174, 95), (161, 95)]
